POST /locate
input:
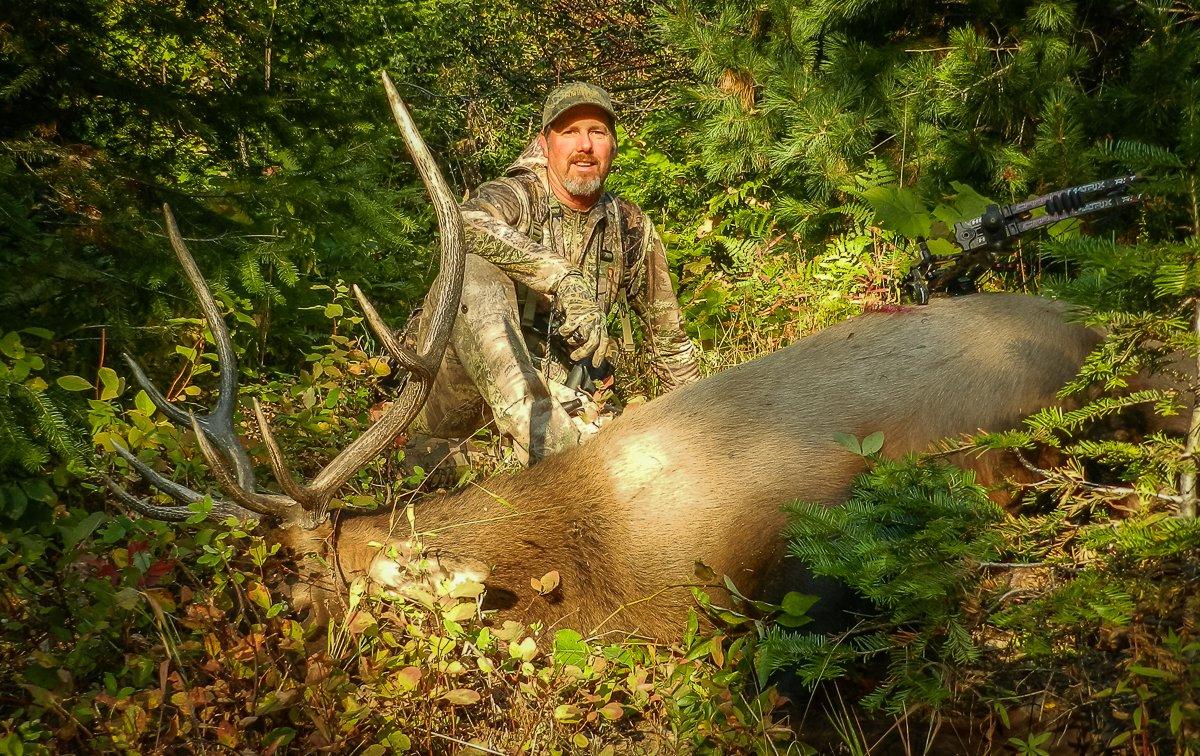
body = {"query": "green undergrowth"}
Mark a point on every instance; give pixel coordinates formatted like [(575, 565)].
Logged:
[(171, 639), (1041, 629), (122, 633)]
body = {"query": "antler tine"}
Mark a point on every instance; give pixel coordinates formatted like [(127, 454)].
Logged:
[(448, 286), (173, 412), (143, 507), (217, 424), (174, 513), (227, 395), (179, 492), (278, 464), (282, 507), (406, 359)]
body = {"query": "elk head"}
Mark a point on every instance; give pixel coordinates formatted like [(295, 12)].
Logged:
[(299, 514)]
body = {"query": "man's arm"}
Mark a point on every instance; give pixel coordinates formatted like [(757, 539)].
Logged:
[(496, 221), (675, 359)]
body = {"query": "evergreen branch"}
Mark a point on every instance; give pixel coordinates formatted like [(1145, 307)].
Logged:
[(1052, 476)]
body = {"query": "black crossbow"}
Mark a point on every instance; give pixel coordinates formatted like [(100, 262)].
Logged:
[(981, 237)]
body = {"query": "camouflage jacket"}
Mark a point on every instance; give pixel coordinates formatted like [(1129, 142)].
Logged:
[(516, 223)]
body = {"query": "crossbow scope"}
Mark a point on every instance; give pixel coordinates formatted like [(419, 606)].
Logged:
[(998, 225)]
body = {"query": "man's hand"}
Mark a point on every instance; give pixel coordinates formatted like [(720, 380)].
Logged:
[(583, 326)]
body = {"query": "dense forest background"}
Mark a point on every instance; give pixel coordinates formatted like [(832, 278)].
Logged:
[(790, 151)]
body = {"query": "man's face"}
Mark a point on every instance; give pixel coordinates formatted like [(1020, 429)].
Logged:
[(579, 148)]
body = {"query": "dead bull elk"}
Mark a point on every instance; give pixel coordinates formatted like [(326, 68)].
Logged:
[(697, 474)]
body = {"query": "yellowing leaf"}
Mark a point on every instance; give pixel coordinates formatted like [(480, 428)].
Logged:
[(716, 651), (509, 631), (277, 700), (525, 650), (259, 594), (703, 572), (360, 622), (408, 678), (461, 697), (227, 734), (143, 403), (212, 645), (460, 612), (469, 589), (357, 588), (110, 383), (10, 345), (612, 711), (546, 584)]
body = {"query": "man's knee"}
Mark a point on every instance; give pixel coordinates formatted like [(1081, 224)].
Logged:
[(538, 425)]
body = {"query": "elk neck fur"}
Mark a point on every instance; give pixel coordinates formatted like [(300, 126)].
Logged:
[(700, 474)]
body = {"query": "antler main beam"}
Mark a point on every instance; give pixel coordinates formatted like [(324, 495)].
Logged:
[(218, 424), (447, 293), (306, 505)]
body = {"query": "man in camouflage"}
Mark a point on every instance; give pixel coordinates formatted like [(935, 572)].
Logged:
[(550, 254)]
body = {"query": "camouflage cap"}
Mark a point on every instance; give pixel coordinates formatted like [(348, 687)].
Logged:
[(567, 96)]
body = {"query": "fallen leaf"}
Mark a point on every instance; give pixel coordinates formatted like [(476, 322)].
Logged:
[(612, 711), (360, 622), (409, 678), (546, 584), (461, 697)]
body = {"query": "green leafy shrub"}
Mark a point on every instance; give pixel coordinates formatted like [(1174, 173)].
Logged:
[(909, 540)]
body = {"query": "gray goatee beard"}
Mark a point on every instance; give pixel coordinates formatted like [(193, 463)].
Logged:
[(583, 187)]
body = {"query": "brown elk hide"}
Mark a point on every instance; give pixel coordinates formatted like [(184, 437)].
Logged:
[(701, 473)]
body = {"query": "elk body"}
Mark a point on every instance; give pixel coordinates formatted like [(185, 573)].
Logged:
[(701, 473), (697, 475)]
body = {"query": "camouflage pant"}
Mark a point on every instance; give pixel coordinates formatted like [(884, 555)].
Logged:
[(488, 368)]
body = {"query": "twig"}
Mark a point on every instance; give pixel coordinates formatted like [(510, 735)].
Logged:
[(477, 747), (1097, 487), (1187, 479), (103, 347), (185, 372), (628, 604)]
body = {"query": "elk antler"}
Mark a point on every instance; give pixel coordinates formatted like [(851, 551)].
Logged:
[(306, 504)]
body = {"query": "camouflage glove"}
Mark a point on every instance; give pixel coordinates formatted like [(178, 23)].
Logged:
[(583, 328)]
